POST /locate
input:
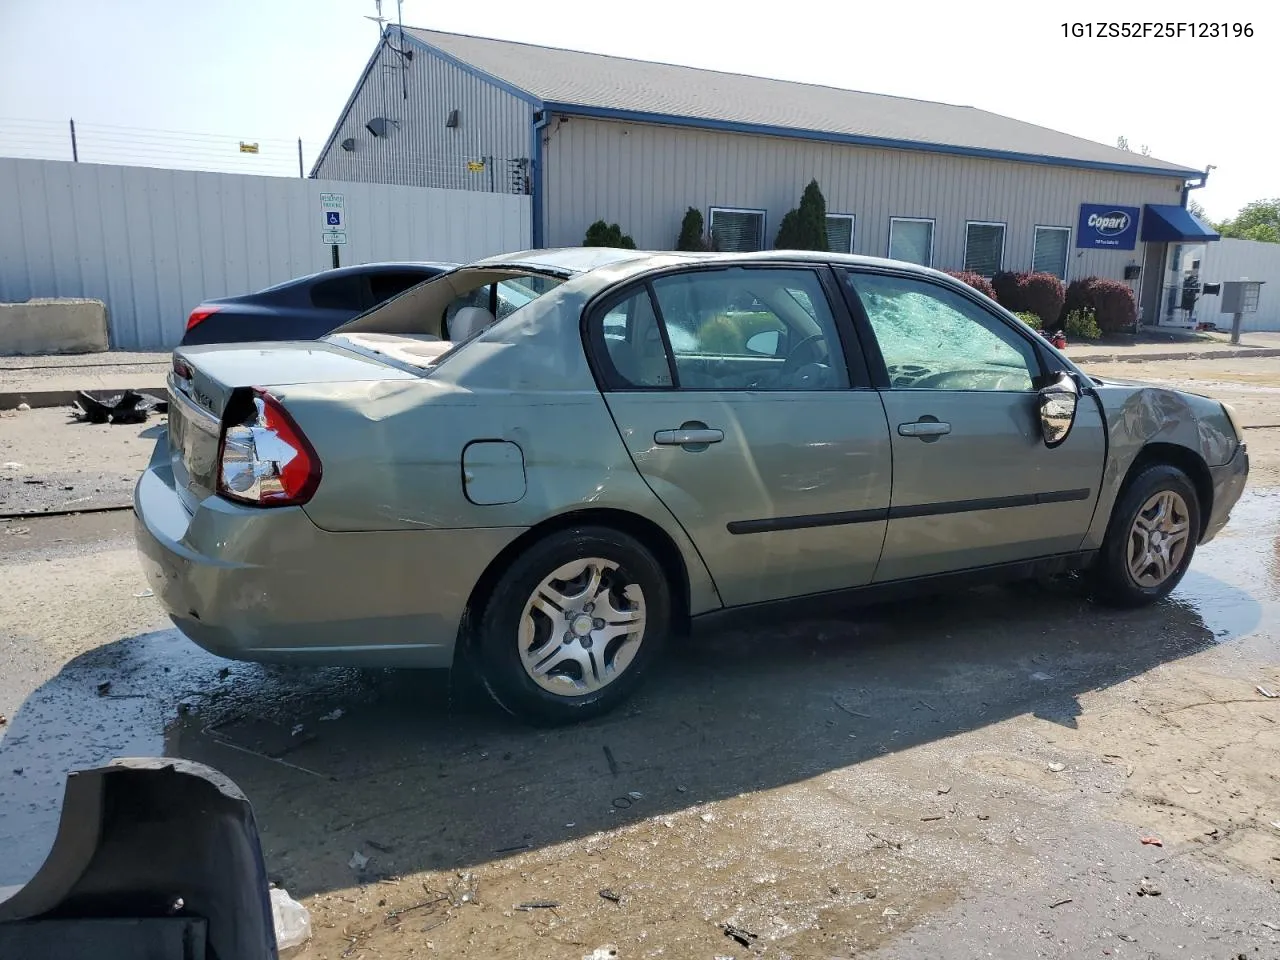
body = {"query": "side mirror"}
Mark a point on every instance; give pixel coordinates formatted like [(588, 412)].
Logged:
[(765, 342), (1058, 402)]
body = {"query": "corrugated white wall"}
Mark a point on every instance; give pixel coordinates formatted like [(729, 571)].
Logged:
[(1244, 260), (420, 150), (153, 243), (644, 176)]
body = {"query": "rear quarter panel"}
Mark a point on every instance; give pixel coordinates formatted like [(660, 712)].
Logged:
[(1138, 415)]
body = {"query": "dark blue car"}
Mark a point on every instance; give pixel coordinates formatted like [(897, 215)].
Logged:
[(306, 308)]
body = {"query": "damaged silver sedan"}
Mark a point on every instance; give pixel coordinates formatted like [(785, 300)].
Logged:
[(551, 462)]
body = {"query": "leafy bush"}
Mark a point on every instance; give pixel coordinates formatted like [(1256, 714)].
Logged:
[(1040, 293), (1082, 324), (805, 228), (691, 236), (1032, 320), (975, 280), (601, 234), (1111, 301)]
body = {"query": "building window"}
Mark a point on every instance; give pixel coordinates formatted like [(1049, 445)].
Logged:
[(1051, 249), (911, 239), (983, 247), (737, 231), (840, 233)]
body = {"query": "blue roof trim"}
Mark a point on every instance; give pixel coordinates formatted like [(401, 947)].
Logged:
[(346, 108), (1170, 223), (793, 133), (476, 72)]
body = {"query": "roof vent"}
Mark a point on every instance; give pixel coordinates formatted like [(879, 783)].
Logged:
[(452, 122), (379, 126), (349, 144)]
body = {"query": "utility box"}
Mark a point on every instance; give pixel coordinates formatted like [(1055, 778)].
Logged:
[(1240, 296)]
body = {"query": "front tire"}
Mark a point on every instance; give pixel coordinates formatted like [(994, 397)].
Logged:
[(572, 626), (1150, 540)]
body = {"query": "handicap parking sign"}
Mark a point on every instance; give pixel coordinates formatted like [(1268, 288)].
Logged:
[(333, 218)]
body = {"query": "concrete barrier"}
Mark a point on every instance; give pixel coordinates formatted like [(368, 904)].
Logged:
[(53, 326)]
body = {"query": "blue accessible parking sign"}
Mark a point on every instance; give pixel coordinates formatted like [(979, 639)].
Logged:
[(333, 218)]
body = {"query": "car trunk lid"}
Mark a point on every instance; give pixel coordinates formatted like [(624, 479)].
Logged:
[(204, 379)]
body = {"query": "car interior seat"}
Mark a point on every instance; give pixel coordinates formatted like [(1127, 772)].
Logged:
[(469, 322)]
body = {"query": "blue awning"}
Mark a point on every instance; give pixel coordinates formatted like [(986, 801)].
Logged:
[(1165, 223)]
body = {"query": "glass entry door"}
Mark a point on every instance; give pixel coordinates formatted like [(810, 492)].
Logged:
[(1180, 286)]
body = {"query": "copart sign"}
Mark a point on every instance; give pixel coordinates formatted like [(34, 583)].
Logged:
[(1102, 225)]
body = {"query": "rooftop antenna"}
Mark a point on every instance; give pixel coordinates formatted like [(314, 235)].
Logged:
[(380, 22)]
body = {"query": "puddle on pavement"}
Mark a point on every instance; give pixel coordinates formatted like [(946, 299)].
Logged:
[(677, 797)]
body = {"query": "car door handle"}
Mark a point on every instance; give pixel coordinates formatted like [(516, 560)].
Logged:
[(685, 436), (924, 429)]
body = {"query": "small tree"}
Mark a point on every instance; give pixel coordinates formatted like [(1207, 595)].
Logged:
[(691, 236), (805, 228), (601, 234)]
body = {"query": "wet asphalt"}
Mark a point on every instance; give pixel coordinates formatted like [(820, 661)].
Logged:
[(420, 765)]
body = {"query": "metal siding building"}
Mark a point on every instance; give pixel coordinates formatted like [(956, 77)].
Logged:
[(420, 148), (638, 143)]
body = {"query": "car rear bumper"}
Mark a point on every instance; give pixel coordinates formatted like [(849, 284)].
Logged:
[(268, 585), (1228, 484)]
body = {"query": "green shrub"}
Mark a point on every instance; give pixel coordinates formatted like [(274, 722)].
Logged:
[(805, 228), (1040, 293), (601, 234), (1082, 324), (1032, 320), (691, 236), (975, 280), (1111, 301)]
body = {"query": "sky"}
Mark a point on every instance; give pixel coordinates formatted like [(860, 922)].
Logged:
[(272, 71)]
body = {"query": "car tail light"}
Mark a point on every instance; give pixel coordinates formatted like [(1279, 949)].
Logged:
[(181, 369), (200, 315), (264, 459)]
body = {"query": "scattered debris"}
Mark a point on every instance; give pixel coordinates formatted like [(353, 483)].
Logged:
[(1040, 675), (1128, 939), (622, 802), (929, 705), (518, 846), (380, 847), (1269, 694), (1153, 841), (608, 758), (33, 481), (571, 824), (465, 889), (681, 789), (224, 673), (984, 816), (1060, 903), (1192, 790), (145, 593), (104, 688), (127, 407), (869, 895), (707, 817), (297, 729), (636, 795), (23, 407), (334, 714), (12, 465), (607, 952), (539, 905), (944, 789), (291, 919), (358, 861), (850, 712), (931, 819), (1148, 889), (743, 937), (3, 719), (896, 844), (890, 912), (1056, 767), (395, 915)]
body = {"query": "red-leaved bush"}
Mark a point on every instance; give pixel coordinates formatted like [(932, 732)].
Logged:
[(1040, 293), (1111, 301), (975, 280)]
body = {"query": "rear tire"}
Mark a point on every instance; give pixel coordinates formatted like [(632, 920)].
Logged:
[(572, 626), (1150, 540)]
